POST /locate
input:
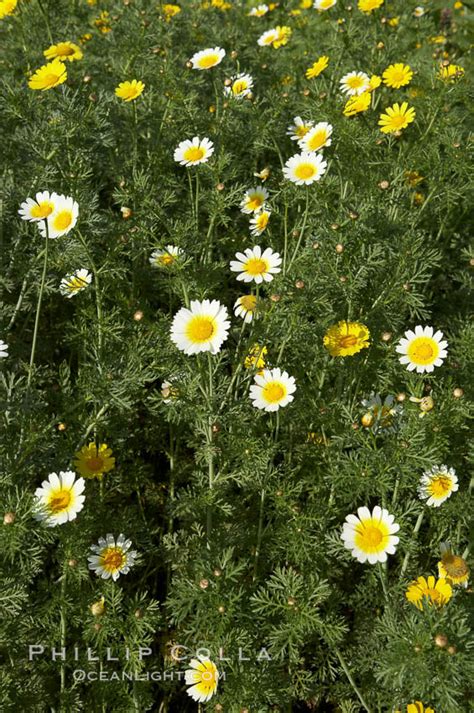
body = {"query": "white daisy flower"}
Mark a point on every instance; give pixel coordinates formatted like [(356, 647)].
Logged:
[(355, 83), (202, 328), (422, 350), (305, 168), (419, 11), (258, 11), (166, 257), (203, 678), (62, 220), (190, 153), (240, 87), (437, 485), (72, 284), (259, 222), (268, 38), (370, 535), (253, 265), (59, 498), (273, 389), (322, 5), (3, 349), (254, 200), (205, 59), (299, 128), (112, 558), (317, 138), (246, 307), (39, 207)]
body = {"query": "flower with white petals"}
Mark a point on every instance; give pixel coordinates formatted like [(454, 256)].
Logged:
[(203, 678), (272, 389), (59, 498), (112, 558), (167, 257), (258, 11), (305, 168), (240, 86), (317, 138), (422, 349), (208, 58), (40, 207), (299, 128), (259, 222), (355, 83), (3, 349), (437, 485), (254, 200), (370, 535), (73, 284), (246, 307), (202, 328), (62, 220), (192, 152), (322, 5), (255, 265)]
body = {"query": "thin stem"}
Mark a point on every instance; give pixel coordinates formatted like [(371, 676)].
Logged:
[(382, 574), (196, 209), (38, 307), (211, 473), (300, 238), (415, 530), (259, 533), (46, 20), (98, 299), (63, 632), (191, 192), (351, 680)]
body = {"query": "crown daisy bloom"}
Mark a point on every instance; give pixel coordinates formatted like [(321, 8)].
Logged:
[(317, 138), (355, 83), (451, 72), (437, 485), (357, 104), (323, 5), (267, 38), (299, 128), (452, 567), (317, 67), (202, 678), (62, 220), (369, 6), (73, 284), (93, 461), (256, 266), (283, 34), (370, 535), (346, 338), (305, 168), (128, 91), (48, 76), (258, 11), (4, 348), (7, 7), (254, 200), (167, 257), (397, 117), (202, 328), (246, 307), (192, 152), (428, 591), (64, 51), (273, 389), (240, 87), (111, 557), (397, 75), (259, 222), (59, 498), (208, 58), (39, 207), (422, 349)]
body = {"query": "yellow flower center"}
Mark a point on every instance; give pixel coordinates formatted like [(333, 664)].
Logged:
[(326, 4), (440, 486), (398, 121), (305, 170), (254, 202), (208, 61), (201, 329), (64, 51), (95, 463), (256, 266), (75, 283), (347, 341), (113, 559), (42, 210), (273, 392), (317, 140), (239, 86), (423, 350), (454, 565), (194, 153), (60, 501), (372, 536), (301, 131), (248, 302), (398, 75), (63, 220), (355, 82), (50, 79), (166, 259)]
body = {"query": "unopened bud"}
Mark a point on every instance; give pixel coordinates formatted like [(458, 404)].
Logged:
[(204, 583), (138, 315), (9, 518), (441, 640), (458, 393), (339, 248), (386, 336)]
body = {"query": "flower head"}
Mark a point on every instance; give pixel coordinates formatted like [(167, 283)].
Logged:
[(305, 168), (3, 349), (370, 535), (255, 358), (369, 6), (437, 485), (246, 307), (192, 152), (63, 218), (317, 67), (451, 72), (170, 10), (273, 389), (417, 707), (39, 207), (59, 498), (111, 557), (7, 7), (397, 118), (93, 461), (346, 338), (355, 83), (256, 266), (317, 138), (48, 76), (254, 200), (128, 91), (259, 222), (277, 37), (381, 416), (208, 58), (322, 5), (299, 128), (453, 567), (357, 104), (73, 284), (202, 328), (427, 591), (167, 257), (203, 678), (240, 86), (259, 10), (65, 51), (422, 349), (397, 75)]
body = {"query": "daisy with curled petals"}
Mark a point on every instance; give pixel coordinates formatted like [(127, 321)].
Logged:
[(369, 6), (64, 51), (48, 76), (259, 222), (62, 220), (73, 284), (166, 257), (202, 328), (322, 5), (397, 118), (4, 348), (346, 338), (93, 461), (208, 58), (305, 168), (59, 499), (357, 104), (317, 67), (192, 152), (370, 535), (111, 557), (397, 75), (254, 200), (451, 72), (273, 389), (299, 128), (240, 86), (422, 349), (7, 7), (128, 91), (452, 567), (428, 591), (245, 307), (202, 678), (317, 138), (355, 83), (255, 265), (258, 11), (39, 207), (437, 485)]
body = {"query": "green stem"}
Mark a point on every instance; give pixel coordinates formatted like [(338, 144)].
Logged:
[(196, 209), (63, 632), (46, 20), (38, 307), (382, 574), (351, 680), (191, 192), (211, 473), (300, 238), (415, 531), (98, 299), (259, 533)]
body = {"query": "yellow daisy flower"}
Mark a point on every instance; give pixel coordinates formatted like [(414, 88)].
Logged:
[(374, 82), (170, 11), (417, 707), (7, 7), (93, 461), (283, 35), (357, 104), (397, 75), (428, 590), (64, 51), (346, 338), (397, 118), (451, 73), (128, 91), (369, 5), (48, 76), (255, 359), (317, 67)]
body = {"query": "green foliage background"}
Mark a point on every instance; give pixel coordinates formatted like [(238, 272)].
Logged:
[(274, 573)]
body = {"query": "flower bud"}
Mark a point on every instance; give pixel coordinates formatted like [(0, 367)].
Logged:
[(98, 608), (9, 518), (204, 583), (441, 640)]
